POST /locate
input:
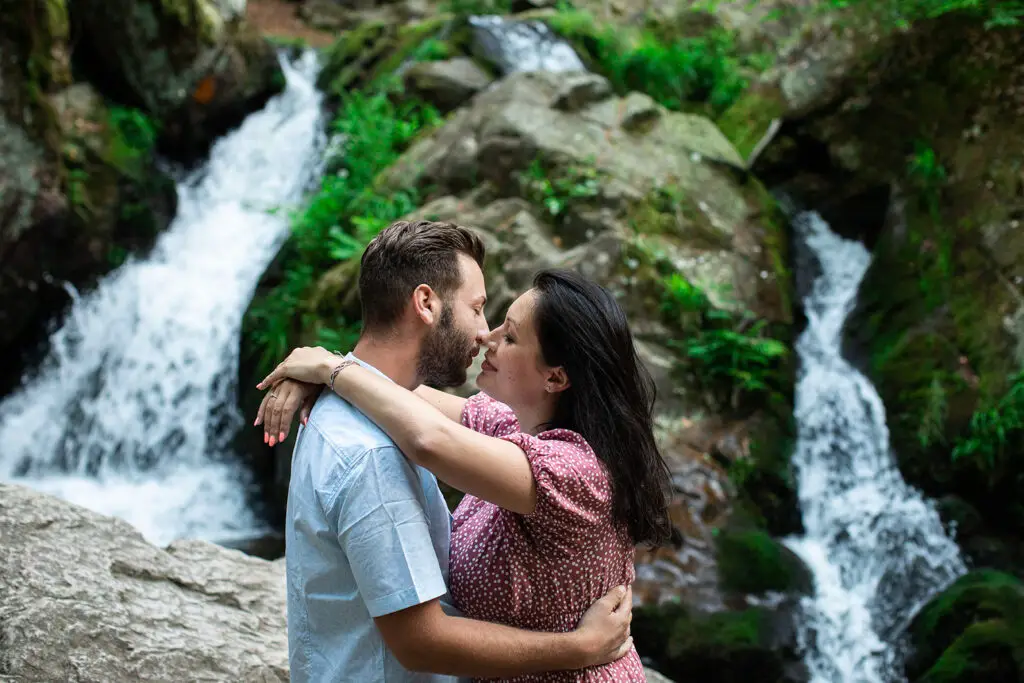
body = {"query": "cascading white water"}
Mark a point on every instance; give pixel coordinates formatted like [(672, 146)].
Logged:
[(518, 45), (133, 411), (877, 549)]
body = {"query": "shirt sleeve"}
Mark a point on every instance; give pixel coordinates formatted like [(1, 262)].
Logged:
[(483, 414), (573, 490), (383, 529)]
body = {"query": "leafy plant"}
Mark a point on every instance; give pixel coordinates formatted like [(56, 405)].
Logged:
[(558, 193), (996, 434), (678, 72), (731, 356), (995, 13), (133, 138), (338, 222)]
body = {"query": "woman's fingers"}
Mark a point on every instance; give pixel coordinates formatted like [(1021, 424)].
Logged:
[(288, 397), (261, 413)]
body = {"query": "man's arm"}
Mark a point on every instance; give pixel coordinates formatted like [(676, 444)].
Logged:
[(424, 638), (384, 533)]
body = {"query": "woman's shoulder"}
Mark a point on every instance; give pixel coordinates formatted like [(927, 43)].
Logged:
[(483, 414), (565, 450)]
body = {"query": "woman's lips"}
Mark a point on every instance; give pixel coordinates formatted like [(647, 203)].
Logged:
[(487, 367)]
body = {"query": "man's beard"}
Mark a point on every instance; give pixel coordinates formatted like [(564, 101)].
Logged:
[(444, 354)]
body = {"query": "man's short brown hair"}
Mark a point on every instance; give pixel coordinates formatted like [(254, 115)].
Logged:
[(406, 255)]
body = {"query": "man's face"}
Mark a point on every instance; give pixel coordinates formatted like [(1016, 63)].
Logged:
[(450, 346)]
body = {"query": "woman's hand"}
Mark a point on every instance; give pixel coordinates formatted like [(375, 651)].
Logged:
[(279, 405), (311, 364)]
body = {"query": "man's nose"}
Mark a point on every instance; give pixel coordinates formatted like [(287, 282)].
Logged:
[(483, 338)]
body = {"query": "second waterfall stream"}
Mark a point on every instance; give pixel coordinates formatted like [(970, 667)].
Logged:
[(877, 549)]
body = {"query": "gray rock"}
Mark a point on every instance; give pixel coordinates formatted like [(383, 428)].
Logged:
[(579, 90), (84, 597), (641, 112), (447, 84)]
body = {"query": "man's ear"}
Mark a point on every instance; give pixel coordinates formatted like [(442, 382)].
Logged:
[(426, 304), (557, 380)]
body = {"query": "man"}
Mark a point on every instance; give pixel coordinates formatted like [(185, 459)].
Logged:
[(367, 532)]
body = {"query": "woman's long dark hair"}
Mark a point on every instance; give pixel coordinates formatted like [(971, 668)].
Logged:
[(610, 399)]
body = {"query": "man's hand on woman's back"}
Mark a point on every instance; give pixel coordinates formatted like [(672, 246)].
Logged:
[(605, 626)]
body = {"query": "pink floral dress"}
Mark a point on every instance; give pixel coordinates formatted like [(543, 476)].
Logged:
[(543, 570)]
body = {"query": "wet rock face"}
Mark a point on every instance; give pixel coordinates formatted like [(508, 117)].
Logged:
[(79, 188), (192, 65)]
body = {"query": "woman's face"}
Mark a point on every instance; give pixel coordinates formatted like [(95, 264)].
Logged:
[(514, 371)]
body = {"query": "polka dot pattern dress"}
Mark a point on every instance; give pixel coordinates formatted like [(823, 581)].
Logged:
[(543, 570)]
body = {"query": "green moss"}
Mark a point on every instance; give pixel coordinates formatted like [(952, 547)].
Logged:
[(373, 50), (972, 631), (197, 15), (774, 231), (746, 122), (725, 646), (753, 562)]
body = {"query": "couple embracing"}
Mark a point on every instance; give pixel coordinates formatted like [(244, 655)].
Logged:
[(529, 579)]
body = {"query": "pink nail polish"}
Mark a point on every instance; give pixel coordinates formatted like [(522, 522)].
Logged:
[(281, 437), (265, 437)]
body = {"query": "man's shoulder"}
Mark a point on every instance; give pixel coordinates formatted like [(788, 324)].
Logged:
[(344, 428)]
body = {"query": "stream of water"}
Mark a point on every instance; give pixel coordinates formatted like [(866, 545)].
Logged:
[(876, 547), (133, 412)]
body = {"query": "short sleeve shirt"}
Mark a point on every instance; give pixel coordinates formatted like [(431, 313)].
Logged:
[(367, 534)]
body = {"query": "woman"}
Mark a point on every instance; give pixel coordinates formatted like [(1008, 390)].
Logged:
[(562, 474)]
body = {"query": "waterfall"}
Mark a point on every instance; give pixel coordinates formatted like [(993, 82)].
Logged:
[(517, 45), (876, 547), (133, 412)]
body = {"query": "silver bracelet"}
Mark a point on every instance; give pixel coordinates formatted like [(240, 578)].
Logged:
[(338, 368)]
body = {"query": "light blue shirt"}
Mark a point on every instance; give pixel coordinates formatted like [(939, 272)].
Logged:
[(367, 534)]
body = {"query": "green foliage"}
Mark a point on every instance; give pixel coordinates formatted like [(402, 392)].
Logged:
[(928, 176), (133, 137), (76, 187), (465, 8), (996, 433), (677, 72), (559, 191), (730, 355), (995, 13), (433, 50), (339, 220)]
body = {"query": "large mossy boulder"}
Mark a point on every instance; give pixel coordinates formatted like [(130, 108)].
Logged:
[(751, 562), (193, 65), (597, 171), (972, 631), (723, 647), (79, 188)]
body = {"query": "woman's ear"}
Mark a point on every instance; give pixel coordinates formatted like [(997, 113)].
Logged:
[(557, 380), (426, 304)]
